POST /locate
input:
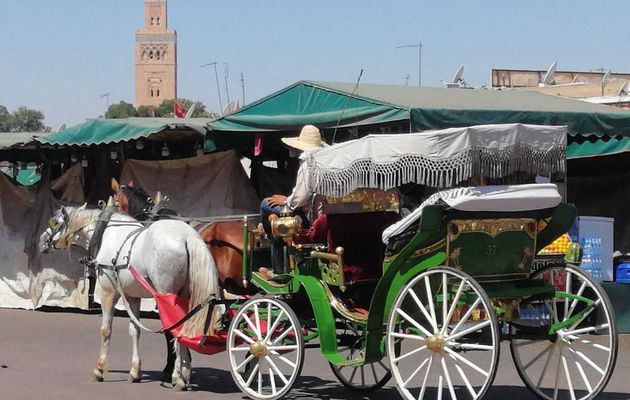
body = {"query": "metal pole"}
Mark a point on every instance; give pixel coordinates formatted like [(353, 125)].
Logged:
[(243, 86), (227, 92), (419, 46), (419, 64), (216, 76)]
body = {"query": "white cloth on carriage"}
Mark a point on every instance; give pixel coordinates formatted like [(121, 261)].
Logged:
[(500, 198)]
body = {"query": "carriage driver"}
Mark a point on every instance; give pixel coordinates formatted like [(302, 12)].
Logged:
[(309, 140)]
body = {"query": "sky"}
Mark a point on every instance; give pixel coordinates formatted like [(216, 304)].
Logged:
[(59, 56)]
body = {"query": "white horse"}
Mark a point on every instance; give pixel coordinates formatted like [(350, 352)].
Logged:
[(167, 253)]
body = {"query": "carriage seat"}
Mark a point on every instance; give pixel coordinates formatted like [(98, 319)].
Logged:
[(360, 236)]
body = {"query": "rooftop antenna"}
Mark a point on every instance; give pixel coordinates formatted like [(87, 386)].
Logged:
[(605, 79), (216, 75), (356, 86), (106, 95), (227, 92), (243, 87), (407, 80), (419, 46), (548, 79)]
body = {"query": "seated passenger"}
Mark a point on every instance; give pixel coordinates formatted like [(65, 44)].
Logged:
[(309, 140)]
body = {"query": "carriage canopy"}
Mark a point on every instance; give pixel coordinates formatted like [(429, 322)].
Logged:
[(439, 158)]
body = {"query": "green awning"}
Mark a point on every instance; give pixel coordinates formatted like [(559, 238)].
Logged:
[(307, 103), (105, 131), (10, 139), (599, 147), (327, 104)]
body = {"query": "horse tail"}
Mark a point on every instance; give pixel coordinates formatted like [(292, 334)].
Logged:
[(204, 282)]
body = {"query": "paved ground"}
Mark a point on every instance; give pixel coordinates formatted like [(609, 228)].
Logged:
[(49, 355)]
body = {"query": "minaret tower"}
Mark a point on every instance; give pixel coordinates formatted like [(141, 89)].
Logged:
[(155, 57)]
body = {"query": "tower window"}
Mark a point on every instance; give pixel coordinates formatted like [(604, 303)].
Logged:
[(157, 20), (152, 20), (157, 54), (151, 54), (158, 92), (151, 92)]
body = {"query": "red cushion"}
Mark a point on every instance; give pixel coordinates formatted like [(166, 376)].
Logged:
[(360, 236)]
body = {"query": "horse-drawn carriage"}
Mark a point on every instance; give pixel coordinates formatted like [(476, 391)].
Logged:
[(455, 278)]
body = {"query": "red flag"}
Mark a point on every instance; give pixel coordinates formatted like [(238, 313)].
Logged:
[(258, 143), (178, 110)]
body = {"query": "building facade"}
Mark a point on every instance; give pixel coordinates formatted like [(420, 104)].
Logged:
[(155, 57)]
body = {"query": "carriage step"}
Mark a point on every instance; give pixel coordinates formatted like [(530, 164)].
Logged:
[(351, 363)]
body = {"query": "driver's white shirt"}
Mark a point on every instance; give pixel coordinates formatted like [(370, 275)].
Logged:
[(300, 195)]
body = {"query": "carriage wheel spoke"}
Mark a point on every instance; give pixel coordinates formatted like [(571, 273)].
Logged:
[(440, 387), (453, 306), (407, 336), (273, 327), (589, 343), (467, 362), (419, 349), (586, 314), (466, 315), (555, 301), (413, 322), (259, 374), (448, 379), (471, 346), (415, 372), (574, 303), (362, 376), (430, 318), (247, 360), (283, 335), (537, 357), (587, 329), (465, 332), (272, 379), (244, 336), (277, 370), (568, 290), (426, 377), (582, 372), (555, 388), (544, 370), (588, 361), (252, 375), (257, 319), (252, 326), (286, 360), (354, 372), (464, 378), (240, 348), (568, 376), (283, 348), (374, 372), (444, 300), (427, 285)]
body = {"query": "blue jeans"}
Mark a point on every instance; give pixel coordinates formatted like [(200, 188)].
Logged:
[(277, 245)]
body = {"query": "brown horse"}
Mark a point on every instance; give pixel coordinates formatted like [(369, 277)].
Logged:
[(223, 238)]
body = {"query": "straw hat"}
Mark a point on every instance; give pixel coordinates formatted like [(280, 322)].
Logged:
[(310, 139)]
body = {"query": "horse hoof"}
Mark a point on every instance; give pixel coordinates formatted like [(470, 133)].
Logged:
[(133, 379), (180, 385), (97, 376)]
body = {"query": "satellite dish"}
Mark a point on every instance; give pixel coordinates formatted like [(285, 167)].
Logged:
[(549, 76), (623, 90), (458, 74)]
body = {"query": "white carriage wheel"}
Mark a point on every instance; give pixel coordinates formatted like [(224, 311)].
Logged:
[(361, 378), (577, 362), (449, 346), (266, 348)]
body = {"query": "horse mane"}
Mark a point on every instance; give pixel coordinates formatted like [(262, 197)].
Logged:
[(141, 206), (78, 218), (139, 202)]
